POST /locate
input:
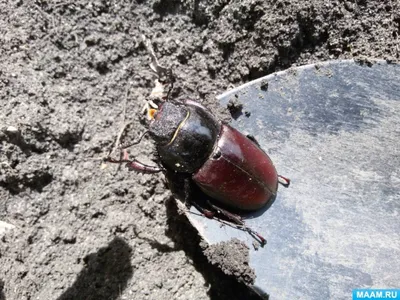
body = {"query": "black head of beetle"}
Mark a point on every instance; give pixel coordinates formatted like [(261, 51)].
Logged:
[(166, 121), (185, 136)]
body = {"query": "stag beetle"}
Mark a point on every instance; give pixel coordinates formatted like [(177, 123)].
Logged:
[(226, 165)]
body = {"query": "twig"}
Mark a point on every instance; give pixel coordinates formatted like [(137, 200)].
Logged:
[(121, 131), (164, 74)]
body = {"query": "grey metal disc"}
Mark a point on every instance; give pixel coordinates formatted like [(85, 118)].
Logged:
[(334, 130)]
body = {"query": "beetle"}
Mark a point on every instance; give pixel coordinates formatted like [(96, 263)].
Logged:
[(226, 165)]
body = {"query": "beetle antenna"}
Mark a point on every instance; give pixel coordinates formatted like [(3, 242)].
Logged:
[(170, 90), (171, 79)]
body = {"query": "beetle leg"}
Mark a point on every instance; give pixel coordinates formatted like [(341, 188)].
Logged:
[(235, 221), (188, 192), (205, 212), (188, 200), (134, 164), (284, 181), (239, 222), (253, 139), (233, 217), (137, 166), (261, 240)]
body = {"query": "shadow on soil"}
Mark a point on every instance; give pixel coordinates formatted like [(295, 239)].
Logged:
[(186, 238), (2, 297), (105, 276)]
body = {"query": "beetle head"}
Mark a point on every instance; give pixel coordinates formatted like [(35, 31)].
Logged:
[(166, 122)]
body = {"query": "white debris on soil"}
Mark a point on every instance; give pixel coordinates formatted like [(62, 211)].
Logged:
[(12, 129), (5, 227)]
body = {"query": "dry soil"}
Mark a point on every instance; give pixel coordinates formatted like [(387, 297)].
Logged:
[(71, 72)]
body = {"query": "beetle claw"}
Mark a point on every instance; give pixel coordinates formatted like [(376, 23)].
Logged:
[(284, 181), (257, 236)]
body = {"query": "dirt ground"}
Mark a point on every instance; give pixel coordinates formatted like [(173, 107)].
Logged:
[(72, 72)]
